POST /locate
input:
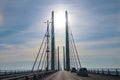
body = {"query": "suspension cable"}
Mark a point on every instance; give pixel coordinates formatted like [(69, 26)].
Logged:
[(74, 54), (71, 55), (38, 52), (41, 56), (43, 62), (75, 48), (71, 65)]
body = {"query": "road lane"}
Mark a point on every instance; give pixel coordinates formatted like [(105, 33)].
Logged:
[(65, 75)]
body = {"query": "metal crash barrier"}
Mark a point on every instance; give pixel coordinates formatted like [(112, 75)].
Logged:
[(31, 76), (105, 71)]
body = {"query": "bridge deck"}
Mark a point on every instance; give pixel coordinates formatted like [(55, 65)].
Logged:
[(64, 75)]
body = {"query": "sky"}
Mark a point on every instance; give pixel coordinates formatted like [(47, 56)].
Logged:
[(95, 25)]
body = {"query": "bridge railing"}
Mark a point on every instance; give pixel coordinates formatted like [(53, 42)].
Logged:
[(32, 75), (105, 71), (13, 72)]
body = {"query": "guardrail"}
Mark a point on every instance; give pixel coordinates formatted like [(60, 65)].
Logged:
[(105, 71), (13, 72), (32, 75)]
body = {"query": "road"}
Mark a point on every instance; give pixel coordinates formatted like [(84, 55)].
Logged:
[(64, 75)]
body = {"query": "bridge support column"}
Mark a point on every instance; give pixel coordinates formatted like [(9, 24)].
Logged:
[(67, 43), (58, 59), (64, 57), (52, 44), (47, 50)]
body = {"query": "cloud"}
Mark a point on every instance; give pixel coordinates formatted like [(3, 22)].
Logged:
[(26, 50), (96, 20), (101, 42), (99, 47)]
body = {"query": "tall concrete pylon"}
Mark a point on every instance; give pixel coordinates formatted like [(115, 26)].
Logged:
[(67, 43), (52, 44), (64, 61)]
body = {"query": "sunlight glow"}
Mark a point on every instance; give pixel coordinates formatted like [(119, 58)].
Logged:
[(60, 20)]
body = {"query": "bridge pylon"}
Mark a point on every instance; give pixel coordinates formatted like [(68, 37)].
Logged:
[(52, 44), (67, 43)]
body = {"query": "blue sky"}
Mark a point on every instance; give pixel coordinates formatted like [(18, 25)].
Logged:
[(95, 25)]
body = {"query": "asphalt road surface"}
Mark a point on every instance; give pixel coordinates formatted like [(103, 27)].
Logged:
[(64, 75)]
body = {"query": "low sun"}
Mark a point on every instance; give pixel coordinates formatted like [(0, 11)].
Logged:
[(59, 19)]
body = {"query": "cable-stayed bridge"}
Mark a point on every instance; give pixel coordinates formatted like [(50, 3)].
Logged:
[(47, 63)]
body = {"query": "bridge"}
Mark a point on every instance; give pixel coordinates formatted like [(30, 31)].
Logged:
[(47, 62)]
